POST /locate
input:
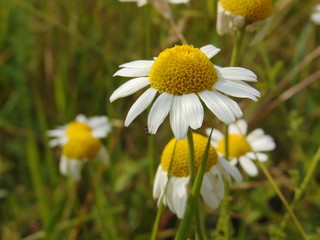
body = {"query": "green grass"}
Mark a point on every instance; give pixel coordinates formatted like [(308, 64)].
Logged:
[(57, 59)]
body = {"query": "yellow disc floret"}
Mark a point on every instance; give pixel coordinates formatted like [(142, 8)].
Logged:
[(73, 128), (180, 158), (238, 146), (253, 10), (81, 146), (181, 70)]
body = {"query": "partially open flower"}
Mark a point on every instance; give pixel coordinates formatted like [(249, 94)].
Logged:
[(244, 148), (183, 76), (171, 182), (315, 17), (234, 15), (141, 3), (80, 142)]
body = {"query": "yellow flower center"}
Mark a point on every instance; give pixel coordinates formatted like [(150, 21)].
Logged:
[(253, 10), (81, 146), (238, 146), (181, 70), (74, 128), (180, 158)]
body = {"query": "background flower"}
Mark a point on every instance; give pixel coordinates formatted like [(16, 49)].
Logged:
[(244, 148)]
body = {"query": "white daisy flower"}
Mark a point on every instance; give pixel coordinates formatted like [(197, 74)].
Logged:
[(184, 75), (315, 17), (141, 3), (244, 148), (174, 188), (80, 142), (237, 14)]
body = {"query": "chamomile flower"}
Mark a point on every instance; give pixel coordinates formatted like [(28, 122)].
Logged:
[(237, 14), (315, 17), (183, 76), (244, 148), (173, 185), (141, 3), (80, 142)]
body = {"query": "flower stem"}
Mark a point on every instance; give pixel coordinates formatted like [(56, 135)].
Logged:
[(282, 198), (236, 48), (200, 228), (191, 159), (302, 188), (185, 225)]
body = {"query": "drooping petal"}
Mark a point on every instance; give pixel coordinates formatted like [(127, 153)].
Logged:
[(223, 107), (210, 50), (140, 105), (236, 74), (70, 167), (192, 110), (159, 111), (178, 124), (248, 166), (132, 72), (138, 64), (234, 172), (129, 87), (209, 198), (180, 195)]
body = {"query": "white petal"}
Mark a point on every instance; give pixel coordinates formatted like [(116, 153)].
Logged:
[(209, 198), (256, 134), (248, 166), (56, 132), (224, 21), (263, 144), (81, 118), (223, 107), (215, 137), (237, 74), (140, 105), (132, 72), (239, 127), (138, 64), (180, 196), (257, 156), (70, 167), (178, 1), (192, 110), (159, 111), (157, 190), (210, 50), (178, 124), (234, 172), (129, 88), (237, 89)]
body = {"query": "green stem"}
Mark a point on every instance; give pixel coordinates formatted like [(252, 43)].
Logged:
[(303, 186), (237, 48), (191, 159), (185, 225), (282, 198), (200, 228), (226, 142)]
